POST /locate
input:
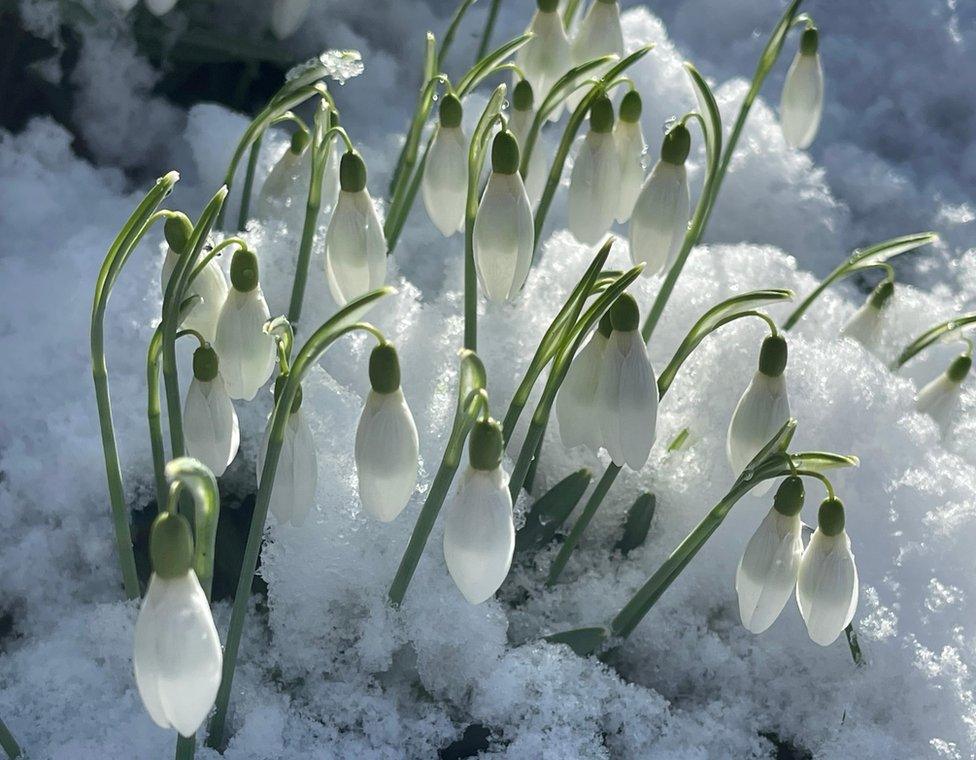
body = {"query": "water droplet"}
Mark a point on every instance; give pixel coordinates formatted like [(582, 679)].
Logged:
[(669, 123)]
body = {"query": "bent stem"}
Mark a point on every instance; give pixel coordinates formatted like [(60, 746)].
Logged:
[(119, 252), (935, 335)]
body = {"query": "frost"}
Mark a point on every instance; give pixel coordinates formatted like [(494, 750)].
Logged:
[(341, 65)]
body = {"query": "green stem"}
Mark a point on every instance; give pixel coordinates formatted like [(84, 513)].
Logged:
[(252, 165), (489, 28), (8, 742), (154, 414)]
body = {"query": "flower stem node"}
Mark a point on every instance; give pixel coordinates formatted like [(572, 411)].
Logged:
[(205, 364), (601, 114), (177, 230), (352, 172), (300, 139), (384, 368), (773, 355), (882, 294), (810, 41), (505, 153), (450, 111), (171, 545), (789, 497), (244, 271), (959, 368), (625, 314), (830, 518), (485, 445), (279, 388), (522, 96), (676, 145)]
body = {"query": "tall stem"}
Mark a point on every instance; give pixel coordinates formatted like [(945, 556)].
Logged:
[(489, 29), (153, 414), (8, 742), (252, 165)]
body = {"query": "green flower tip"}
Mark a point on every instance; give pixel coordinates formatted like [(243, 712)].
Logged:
[(881, 294), (244, 271), (676, 145), (625, 314), (547, 6), (299, 141), (773, 355), (810, 41), (205, 364), (450, 111), (606, 325), (830, 518), (601, 114), (279, 388), (384, 368), (630, 107), (352, 172), (504, 153), (333, 119), (485, 445), (789, 496), (959, 368), (170, 545), (178, 231), (522, 96)]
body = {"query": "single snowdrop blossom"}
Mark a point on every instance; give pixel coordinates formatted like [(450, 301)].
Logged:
[(577, 407), (661, 212), (387, 446), (802, 103), (865, 325), (287, 16), (940, 398), (627, 394), (766, 575), (594, 185), (629, 140), (297, 473), (548, 55), (503, 235), (210, 424), (246, 351), (762, 410), (599, 34), (287, 182), (445, 179), (523, 115), (210, 284), (826, 584), (479, 533), (355, 247), (177, 657)]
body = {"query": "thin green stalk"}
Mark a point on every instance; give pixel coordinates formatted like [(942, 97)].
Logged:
[(252, 165), (154, 413), (8, 742), (489, 28), (936, 334), (420, 112)]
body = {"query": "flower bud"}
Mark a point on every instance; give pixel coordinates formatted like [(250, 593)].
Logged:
[(384, 368), (504, 153), (244, 271), (450, 111), (485, 445), (789, 496), (773, 355), (522, 96), (177, 229), (352, 172)]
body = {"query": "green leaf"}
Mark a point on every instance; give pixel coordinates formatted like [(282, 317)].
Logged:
[(818, 461), (933, 335), (639, 518), (484, 67), (583, 641), (550, 511), (875, 255)]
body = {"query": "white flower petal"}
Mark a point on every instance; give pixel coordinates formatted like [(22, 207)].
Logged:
[(660, 218), (296, 476), (445, 180), (940, 400), (355, 248), (503, 237), (767, 571), (594, 188), (246, 352), (599, 34), (210, 285), (547, 56), (210, 425), (577, 409), (629, 141), (865, 325), (535, 179), (628, 400), (762, 410), (286, 186), (802, 103), (826, 587), (387, 451)]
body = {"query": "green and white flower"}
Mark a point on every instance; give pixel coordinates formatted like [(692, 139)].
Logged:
[(296, 476), (210, 284), (801, 105), (577, 405), (940, 398), (523, 114), (599, 34), (548, 55), (629, 140), (445, 179), (594, 185), (210, 424), (865, 325)]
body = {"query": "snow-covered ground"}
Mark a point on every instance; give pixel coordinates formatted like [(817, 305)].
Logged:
[(328, 669)]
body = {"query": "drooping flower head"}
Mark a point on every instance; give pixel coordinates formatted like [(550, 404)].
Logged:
[(802, 103), (286, 186), (865, 325), (523, 113), (629, 140), (445, 180), (594, 185), (599, 34), (547, 56), (577, 406), (210, 284), (210, 424), (940, 398)]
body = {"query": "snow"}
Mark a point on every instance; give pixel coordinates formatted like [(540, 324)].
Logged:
[(328, 668)]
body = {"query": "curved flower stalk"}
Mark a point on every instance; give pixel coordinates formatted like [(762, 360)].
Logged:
[(594, 184), (211, 428), (520, 123), (287, 16), (387, 445), (246, 351), (940, 398), (291, 171), (865, 325), (628, 137), (935, 334), (479, 533), (577, 405), (209, 284), (801, 105), (659, 222), (547, 56), (599, 34), (445, 179)]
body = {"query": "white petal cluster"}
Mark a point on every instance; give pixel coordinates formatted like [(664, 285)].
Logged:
[(629, 140), (577, 408), (766, 575), (445, 180), (296, 477), (387, 451), (210, 425), (599, 34), (827, 586), (660, 218), (210, 285), (628, 399), (801, 105), (535, 178)]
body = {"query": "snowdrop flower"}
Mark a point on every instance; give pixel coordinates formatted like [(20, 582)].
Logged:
[(802, 103), (177, 657), (246, 351), (296, 476), (940, 398), (660, 216), (594, 185), (767, 571), (355, 247), (826, 585), (287, 16), (523, 114), (503, 233), (290, 174), (445, 180), (762, 410), (629, 140), (547, 56), (599, 34), (627, 392), (160, 7), (479, 534), (210, 284), (387, 447), (577, 407), (865, 325), (209, 421)]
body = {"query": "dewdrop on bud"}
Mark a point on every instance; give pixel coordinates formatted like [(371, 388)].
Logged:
[(355, 247), (599, 34), (210, 424), (826, 584), (520, 123), (177, 657), (766, 575), (160, 7), (865, 325), (210, 284), (246, 351), (296, 476), (659, 221), (577, 405), (594, 185), (503, 233), (290, 174), (479, 533), (762, 410), (387, 446), (547, 56), (629, 140), (627, 394), (445, 180), (802, 103), (940, 398), (287, 16)]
